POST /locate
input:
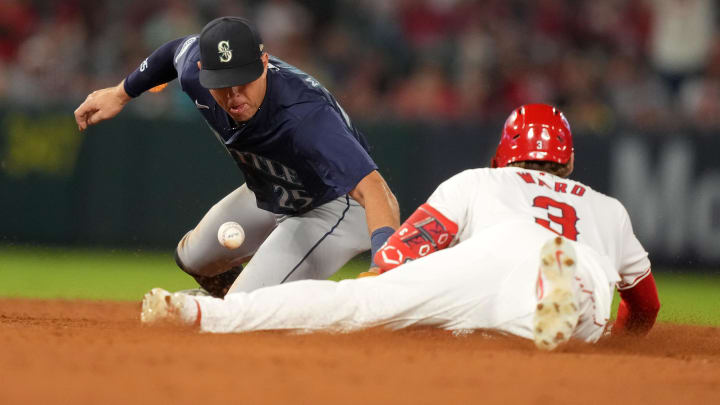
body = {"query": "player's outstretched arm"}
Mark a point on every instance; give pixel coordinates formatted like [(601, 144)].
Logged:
[(156, 70), (426, 231), (638, 308), (101, 105), (381, 208)]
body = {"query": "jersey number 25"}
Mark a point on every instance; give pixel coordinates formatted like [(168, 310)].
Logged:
[(566, 220)]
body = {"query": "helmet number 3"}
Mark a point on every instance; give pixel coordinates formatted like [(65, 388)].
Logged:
[(563, 224)]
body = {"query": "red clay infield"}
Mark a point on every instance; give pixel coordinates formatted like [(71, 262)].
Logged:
[(73, 352)]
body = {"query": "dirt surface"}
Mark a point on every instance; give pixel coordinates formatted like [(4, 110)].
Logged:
[(72, 352)]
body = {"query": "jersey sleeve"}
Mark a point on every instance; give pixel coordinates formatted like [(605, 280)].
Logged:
[(632, 261), (451, 198), (332, 150), (638, 308), (156, 69)]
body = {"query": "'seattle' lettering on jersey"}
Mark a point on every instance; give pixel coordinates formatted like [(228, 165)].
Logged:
[(299, 151)]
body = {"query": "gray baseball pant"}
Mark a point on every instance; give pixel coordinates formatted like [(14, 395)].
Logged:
[(282, 248)]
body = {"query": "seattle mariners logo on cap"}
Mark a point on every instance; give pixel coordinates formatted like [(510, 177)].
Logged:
[(224, 51), (230, 52)]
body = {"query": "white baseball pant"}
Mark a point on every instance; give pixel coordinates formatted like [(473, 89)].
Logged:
[(485, 282)]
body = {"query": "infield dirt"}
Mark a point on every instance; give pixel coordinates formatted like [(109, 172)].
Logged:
[(75, 352)]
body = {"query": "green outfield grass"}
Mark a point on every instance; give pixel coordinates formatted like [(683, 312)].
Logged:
[(96, 274), (122, 275)]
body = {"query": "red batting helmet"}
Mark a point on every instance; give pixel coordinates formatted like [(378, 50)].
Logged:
[(534, 132)]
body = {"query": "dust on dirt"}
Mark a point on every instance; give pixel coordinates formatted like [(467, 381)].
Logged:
[(79, 352)]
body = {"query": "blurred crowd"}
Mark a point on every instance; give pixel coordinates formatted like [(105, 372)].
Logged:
[(650, 64)]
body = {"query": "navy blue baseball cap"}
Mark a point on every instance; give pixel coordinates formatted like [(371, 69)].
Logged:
[(230, 53)]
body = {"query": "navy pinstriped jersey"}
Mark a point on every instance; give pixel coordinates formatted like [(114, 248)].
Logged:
[(299, 151)]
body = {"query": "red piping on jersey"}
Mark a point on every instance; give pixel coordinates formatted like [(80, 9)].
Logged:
[(594, 304)]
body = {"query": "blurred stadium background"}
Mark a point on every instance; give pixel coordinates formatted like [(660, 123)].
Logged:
[(428, 81)]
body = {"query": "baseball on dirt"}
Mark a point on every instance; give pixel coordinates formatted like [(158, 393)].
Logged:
[(231, 235)]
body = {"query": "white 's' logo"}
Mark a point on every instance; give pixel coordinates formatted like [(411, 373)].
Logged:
[(224, 51), (144, 65)]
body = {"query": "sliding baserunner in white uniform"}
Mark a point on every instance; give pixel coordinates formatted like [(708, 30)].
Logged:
[(517, 248)]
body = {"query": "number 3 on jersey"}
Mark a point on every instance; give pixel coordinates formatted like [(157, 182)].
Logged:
[(566, 220)]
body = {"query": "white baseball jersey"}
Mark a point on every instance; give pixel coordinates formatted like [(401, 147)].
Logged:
[(482, 198)]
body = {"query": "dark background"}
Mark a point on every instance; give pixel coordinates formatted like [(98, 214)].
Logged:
[(428, 81)]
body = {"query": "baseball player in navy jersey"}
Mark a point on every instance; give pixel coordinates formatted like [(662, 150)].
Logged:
[(518, 248), (313, 197)]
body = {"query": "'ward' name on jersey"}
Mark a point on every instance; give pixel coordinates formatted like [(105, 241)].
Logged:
[(558, 186)]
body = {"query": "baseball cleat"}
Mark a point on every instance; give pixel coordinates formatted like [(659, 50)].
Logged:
[(161, 306), (556, 314)]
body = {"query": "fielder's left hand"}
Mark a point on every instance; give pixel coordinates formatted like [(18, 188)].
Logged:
[(101, 105)]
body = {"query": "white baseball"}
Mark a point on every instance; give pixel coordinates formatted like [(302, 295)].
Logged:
[(231, 235)]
